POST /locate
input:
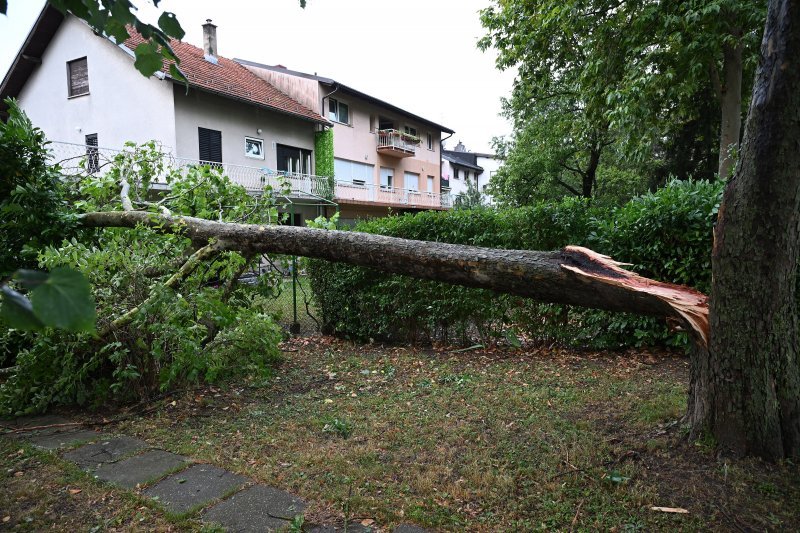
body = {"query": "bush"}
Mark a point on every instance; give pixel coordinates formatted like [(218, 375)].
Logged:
[(205, 330), (33, 208), (665, 235)]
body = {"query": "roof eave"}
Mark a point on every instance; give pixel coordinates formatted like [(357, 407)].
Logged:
[(45, 27), (322, 121)]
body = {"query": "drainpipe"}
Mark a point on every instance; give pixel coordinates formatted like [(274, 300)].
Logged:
[(441, 142), (326, 96)]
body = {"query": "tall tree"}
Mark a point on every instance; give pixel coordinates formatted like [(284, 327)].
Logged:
[(746, 389), (633, 68)]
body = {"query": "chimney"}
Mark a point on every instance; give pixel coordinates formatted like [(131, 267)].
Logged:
[(460, 147), (210, 41)]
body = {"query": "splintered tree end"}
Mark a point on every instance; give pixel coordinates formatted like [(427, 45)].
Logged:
[(688, 304)]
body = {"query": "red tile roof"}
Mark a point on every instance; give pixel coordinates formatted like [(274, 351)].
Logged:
[(229, 78)]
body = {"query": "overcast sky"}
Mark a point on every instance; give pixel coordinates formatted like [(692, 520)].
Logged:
[(420, 55)]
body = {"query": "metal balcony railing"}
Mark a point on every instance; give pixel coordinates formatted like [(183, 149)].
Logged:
[(397, 140), (369, 192), (79, 159)]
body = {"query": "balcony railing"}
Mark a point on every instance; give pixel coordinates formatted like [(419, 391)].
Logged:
[(397, 143), (79, 159), (347, 191)]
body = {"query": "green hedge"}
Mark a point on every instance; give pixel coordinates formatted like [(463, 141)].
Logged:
[(666, 235)]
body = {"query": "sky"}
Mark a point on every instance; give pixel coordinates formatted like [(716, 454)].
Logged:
[(419, 55)]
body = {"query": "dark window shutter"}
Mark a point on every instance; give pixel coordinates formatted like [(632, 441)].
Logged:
[(78, 72), (210, 145), (92, 154)]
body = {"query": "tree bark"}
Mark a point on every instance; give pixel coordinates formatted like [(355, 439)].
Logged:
[(573, 276), (746, 389), (730, 106)]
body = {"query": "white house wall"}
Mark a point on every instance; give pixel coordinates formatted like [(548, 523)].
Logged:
[(121, 105), (236, 120), (490, 166)]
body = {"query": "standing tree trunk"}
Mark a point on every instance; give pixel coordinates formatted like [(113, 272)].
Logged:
[(746, 388), (730, 105)]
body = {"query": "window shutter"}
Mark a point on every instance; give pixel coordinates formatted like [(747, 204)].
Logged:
[(210, 145), (78, 71)]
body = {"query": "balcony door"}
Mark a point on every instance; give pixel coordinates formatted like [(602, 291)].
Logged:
[(293, 160)]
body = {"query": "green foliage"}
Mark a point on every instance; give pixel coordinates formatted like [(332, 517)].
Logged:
[(114, 17), (630, 85), (207, 330), (323, 156), (471, 199), (665, 235), (59, 299), (33, 204)]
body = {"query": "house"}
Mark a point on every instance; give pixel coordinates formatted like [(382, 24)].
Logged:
[(82, 90), (386, 158), (461, 168)]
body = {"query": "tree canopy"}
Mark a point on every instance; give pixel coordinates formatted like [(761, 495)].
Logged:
[(621, 84)]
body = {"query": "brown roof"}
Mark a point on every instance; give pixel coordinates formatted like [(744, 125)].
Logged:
[(229, 78)]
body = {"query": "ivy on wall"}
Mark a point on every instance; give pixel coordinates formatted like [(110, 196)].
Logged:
[(323, 155)]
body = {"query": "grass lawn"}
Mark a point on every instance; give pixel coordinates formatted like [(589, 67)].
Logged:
[(479, 441)]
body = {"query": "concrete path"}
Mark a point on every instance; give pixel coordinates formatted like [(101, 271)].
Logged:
[(180, 485)]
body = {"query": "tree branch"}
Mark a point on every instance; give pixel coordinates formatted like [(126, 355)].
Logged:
[(572, 276), (186, 269)]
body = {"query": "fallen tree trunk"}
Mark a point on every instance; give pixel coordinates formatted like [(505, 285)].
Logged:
[(572, 276)]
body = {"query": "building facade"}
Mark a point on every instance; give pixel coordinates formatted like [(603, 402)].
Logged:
[(255, 121)]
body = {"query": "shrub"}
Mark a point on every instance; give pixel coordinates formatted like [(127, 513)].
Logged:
[(33, 208), (206, 330), (665, 235)]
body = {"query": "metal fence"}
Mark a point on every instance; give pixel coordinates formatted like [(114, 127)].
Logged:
[(77, 159)]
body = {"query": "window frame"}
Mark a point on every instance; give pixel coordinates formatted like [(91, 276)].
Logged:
[(70, 93), (254, 140), (430, 141), (338, 104)]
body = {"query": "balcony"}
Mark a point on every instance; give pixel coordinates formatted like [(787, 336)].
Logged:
[(78, 159), (395, 143), (347, 192)]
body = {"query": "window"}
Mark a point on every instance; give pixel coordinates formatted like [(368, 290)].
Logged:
[(430, 183), (254, 147), (358, 173), (411, 181), (293, 160), (386, 177), (210, 145), (430, 141), (385, 123), (78, 77), (411, 131), (338, 111), (92, 154)]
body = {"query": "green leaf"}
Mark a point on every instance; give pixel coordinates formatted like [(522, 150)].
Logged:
[(148, 60), (176, 73), (3, 6), (17, 312), (30, 279), (65, 301), (169, 23)]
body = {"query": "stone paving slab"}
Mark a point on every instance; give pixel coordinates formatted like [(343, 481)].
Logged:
[(140, 469), (258, 508), (54, 441), (35, 421), (193, 487), (108, 450)]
